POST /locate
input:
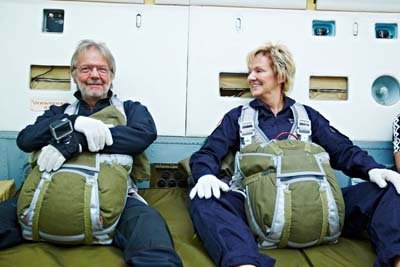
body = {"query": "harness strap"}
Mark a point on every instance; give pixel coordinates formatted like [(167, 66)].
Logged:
[(324, 203), (248, 127), (37, 207), (250, 131), (302, 122), (333, 211), (73, 108), (86, 219), (288, 219)]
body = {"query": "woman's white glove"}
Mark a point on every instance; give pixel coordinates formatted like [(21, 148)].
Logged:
[(50, 159), (208, 185), (382, 176), (97, 133)]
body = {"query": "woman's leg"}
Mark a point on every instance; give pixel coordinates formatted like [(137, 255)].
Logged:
[(221, 225)]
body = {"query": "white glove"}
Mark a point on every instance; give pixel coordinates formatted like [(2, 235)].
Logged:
[(50, 159), (97, 133), (208, 185), (381, 176)]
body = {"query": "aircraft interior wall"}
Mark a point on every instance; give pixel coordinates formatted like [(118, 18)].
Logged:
[(172, 55)]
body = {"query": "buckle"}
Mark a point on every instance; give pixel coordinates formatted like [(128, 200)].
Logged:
[(247, 132), (304, 129)]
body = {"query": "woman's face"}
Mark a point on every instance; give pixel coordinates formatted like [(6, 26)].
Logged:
[(262, 79)]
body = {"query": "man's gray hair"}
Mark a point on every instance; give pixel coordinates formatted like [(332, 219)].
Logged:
[(84, 46)]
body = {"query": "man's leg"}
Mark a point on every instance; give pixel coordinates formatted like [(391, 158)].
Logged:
[(144, 238), (221, 225), (10, 232), (376, 210)]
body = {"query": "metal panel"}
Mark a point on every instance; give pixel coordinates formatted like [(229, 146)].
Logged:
[(214, 30), (149, 43)]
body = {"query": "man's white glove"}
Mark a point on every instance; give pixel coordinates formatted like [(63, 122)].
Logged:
[(50, 159), (382, 176), (208, 185), (97, 133)]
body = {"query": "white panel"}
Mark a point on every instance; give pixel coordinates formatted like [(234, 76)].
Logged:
[(217, 45), (172, 2), (151, 59), (292, 4), (359, 5)]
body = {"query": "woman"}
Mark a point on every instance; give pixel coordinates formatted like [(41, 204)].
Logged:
[(220, 219)]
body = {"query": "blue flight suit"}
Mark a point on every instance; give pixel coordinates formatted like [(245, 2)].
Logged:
[(141, 233), (222, 225)]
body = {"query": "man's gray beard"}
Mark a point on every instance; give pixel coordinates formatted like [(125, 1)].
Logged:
[(83, 90)]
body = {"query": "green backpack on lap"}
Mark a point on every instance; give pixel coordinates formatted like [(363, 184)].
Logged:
[(81, 202), (293, 198)]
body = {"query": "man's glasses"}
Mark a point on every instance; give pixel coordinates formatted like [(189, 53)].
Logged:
[(87, 69)]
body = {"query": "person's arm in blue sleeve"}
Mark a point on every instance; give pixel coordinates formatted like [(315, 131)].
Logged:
[(35, 136), (137, 135), (344, 155), (224, 138)]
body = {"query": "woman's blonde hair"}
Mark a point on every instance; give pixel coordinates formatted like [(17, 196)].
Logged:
[(282, 62)]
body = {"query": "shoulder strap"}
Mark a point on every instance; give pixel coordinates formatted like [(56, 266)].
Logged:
[(73, 108), (115, 101), (250, 132), (302, 123), (248, 127)]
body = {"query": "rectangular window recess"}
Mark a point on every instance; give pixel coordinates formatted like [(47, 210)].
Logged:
[(50, 77), (234, 84), (328, 88)]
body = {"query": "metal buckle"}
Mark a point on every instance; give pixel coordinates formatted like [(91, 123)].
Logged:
[(304, 129)]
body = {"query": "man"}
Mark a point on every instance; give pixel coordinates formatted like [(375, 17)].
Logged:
[(141, 232)]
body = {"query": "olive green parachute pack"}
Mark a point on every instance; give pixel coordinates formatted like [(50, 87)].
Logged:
[(293, 198), (81, 202)]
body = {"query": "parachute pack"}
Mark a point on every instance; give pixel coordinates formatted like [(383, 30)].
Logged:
[(81, 202), (293, 198)]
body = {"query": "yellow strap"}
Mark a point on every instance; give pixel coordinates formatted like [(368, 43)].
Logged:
[(324, 202), (288, 220), (86, 215), (36, 212)]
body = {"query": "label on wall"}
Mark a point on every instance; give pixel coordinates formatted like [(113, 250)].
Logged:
[(43, 104)]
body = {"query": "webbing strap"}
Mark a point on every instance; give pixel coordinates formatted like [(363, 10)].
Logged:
[(86, 217), (36, 212), (73, 108), (246, 124), (302, 123), (324, 204), (248, 127), (288, 220), (250, 131)]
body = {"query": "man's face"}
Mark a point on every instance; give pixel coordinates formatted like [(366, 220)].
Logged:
[(93, 76)]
